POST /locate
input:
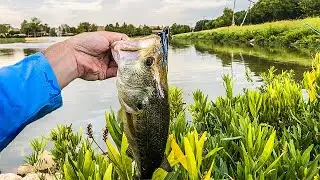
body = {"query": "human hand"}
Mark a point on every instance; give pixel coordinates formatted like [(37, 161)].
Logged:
[(85, 56)]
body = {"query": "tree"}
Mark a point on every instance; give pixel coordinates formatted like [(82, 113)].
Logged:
[(73, 30), (34, 26), (25, 27), (273, 10), (52, 32), (3, 29), (93, 27), (45, 28), (239, 16), (310, 7), (84, 27), (177, 28), (225, 19), (200, 25)]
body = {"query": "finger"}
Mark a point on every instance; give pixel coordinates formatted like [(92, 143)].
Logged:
[(113, 36), (107, 57), (112, 72), (113, 64)]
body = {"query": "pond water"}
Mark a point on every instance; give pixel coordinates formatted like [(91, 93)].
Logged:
[(196, 65)]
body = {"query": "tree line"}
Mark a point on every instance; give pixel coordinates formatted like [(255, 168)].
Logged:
[(264, 11), (261, 11), (130, 29), (35, 28)]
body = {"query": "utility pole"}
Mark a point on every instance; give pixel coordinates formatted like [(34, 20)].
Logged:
[(248, 11), (234, 7)]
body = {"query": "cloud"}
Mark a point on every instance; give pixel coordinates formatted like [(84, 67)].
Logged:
[(74, 5), (9, 15), (102, 12)]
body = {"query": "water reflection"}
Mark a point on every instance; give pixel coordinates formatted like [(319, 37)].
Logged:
[(11, 56), (257, 59)]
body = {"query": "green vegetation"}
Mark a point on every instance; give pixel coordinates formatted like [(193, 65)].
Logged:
[(178, 28), (282, 33), (11, 40), (35, 28), (267, 133), (130, 29), (264, 11)]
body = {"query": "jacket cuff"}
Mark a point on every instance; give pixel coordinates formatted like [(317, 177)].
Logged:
[(50, 83)]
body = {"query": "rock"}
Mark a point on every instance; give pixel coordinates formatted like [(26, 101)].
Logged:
[(45, 162), (10, 176), (26, 169), (46, 176), (31, 176)]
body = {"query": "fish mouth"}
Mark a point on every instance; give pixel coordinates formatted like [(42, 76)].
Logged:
[(129, 50)]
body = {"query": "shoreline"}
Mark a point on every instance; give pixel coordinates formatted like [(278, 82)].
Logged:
[(292, 33)]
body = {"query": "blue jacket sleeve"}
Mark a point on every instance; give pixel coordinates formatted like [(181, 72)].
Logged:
[(28, 91)]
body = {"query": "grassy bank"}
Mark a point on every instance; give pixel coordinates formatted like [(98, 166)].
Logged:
[(11, 40), (281, 33)]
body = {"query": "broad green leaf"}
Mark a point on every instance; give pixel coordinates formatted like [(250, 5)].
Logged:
[(108, 173), (208, 175), (199, 149), (168, 145), (93, 168), (249, 139), (113, 128), (124, 145), (171, 159), (87, 164), (231, 138), (313, 169), (213, 152), (192, 164), (179, 154), (115, 158), (80, 176), (267, 149), (275, 162), (306, 155), (81, 158), (159, 174), (126, 161), (191, 140), (68, 170), (97, 176)]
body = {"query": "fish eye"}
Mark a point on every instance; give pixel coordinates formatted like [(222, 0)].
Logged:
[(149, 61)]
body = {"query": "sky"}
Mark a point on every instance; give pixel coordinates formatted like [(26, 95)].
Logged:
[(102, 12)]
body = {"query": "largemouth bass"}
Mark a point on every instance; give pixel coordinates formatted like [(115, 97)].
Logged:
[(143, 95)]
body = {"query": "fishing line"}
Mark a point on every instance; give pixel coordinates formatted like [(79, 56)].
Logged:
[(312, 28)]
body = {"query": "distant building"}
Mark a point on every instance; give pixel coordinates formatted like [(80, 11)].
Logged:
[(63, 30)]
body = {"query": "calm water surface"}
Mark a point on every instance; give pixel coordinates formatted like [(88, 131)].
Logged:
[(191, 67)]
